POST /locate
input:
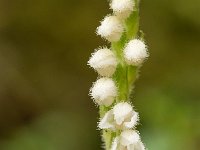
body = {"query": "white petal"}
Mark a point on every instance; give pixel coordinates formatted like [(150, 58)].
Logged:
[(107, 121), (135, 52), (111, 28), (104, 91), (133, 121), (121, 112), (129, 137)]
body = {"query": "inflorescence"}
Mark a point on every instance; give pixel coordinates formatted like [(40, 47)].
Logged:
[(118, 118)]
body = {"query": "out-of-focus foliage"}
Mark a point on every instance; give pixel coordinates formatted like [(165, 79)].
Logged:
[(44, 80)]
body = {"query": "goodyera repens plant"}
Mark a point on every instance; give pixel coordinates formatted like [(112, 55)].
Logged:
[(118, 68)]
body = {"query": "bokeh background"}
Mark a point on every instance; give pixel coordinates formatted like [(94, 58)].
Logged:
[(44, 79)]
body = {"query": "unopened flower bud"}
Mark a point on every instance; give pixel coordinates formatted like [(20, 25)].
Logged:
[(104, 62), (111, 28), (104, 91), (122, 8), (135, 52)]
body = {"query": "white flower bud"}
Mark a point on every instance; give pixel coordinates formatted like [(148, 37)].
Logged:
[(122, 8), (104, 61), (104, 91), (111, 29), (128, 140), (122, 116), (135, 52)]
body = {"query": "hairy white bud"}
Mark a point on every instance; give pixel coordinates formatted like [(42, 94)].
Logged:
[(129, 140), (122, 8), (122, 116), (104, 62), (111, 29), (135, 52), (104, 91)]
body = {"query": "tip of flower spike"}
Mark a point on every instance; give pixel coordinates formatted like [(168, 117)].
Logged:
[(135, 52), (111, 28), (122, 8), (104, 91), (104, 62)]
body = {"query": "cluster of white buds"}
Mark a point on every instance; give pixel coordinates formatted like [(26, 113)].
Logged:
[(112, 27), (120, 116)]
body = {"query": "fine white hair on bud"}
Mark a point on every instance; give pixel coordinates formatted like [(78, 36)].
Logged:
[(104, 62), (104, 91), (122, 116), (122, 8), (135, 52), (111, 28), (129, 140)]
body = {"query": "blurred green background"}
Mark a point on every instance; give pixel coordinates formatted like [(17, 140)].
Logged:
[(44, 79)]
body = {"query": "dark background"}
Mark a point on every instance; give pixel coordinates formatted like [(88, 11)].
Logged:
[(44, 79)]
